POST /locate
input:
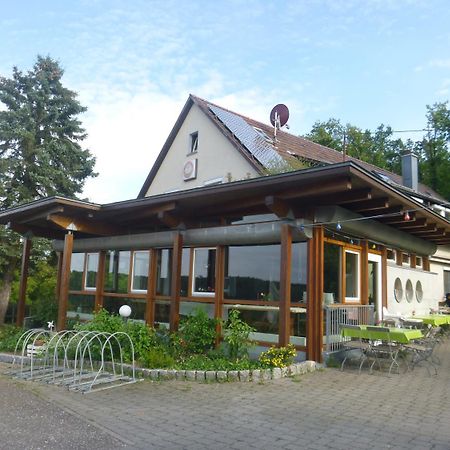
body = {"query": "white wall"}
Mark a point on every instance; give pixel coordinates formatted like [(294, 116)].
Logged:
[(439, 263), (429, 281), (216, 157)]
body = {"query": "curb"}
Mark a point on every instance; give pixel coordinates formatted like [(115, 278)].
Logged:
[(255, 375)]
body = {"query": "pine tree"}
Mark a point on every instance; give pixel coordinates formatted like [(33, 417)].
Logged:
[(40, 151)]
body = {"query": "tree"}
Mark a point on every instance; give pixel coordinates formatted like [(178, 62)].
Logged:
[(40, 151), (434, 151), (378, 148)]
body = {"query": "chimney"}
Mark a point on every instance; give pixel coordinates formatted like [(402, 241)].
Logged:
[(410, 172)]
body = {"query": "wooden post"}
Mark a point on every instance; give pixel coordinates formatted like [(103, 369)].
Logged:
[(364, 273), (175, 283), (58, 275), (220, 285), (285, 286), (426, 263), (314, 332), (65, 276), (384, 277), (100, 281), (413, 261), (151, 288), (399, 257), (23, 281)]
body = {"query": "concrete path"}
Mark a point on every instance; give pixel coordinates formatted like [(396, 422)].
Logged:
[(325, 409)]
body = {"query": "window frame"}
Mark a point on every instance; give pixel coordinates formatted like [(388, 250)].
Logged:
[(193, 143), (356, 299), (85, 274), (132, 289), (193, 292)]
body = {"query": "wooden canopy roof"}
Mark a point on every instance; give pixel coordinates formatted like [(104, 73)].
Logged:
[(292, 194)]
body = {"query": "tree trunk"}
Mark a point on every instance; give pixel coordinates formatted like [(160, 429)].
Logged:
[(5, 291)]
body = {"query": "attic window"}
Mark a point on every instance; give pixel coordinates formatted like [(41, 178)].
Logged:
[(263, 135), (194, 142)]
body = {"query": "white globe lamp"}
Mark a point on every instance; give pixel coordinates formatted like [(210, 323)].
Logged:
[(125, 311)]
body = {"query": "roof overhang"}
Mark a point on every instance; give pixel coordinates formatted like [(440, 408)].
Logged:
[(288, 195)]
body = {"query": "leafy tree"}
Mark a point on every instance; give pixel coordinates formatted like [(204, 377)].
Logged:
[(434, 150), (378, 148), (40, 151)]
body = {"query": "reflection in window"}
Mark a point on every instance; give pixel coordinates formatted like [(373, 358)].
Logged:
[(419, 292), (351, 275), (80, 307), (141, 262), (117, 269), (398, 290), (253, 272), (204, 276), (164, 271), (185, 267), (409, 291), (332, 271), (137, 305), (76, 272), (91, 270)]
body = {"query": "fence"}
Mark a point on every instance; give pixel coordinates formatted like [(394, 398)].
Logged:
[(337, 315)]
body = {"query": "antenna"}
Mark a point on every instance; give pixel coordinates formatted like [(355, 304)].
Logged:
[(279, 117)]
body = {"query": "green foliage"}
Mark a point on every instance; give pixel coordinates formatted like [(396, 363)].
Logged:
[(157, 358), (215, 362), (9, 335), (198, 332), (40, 151), (278, 357), (236, 336)]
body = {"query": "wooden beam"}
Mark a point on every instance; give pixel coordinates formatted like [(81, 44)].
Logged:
[(81, 225), (65, 277), (41, 215), (418, 222), (143, 213), (430, 228), (168, 219), (27, 243), (151, 288), (34, 230), (413, 261), (364, 272), (369, 205), (284, 318), (175, 283), (279, 207), (100, 281), (399, 257), (425, 233)]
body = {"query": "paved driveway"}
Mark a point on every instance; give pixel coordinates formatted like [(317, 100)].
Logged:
[(325, 409)]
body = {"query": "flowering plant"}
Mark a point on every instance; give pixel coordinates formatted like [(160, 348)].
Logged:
[(278, 357)]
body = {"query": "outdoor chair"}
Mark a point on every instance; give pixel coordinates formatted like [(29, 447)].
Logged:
[(354, 344), (383, 349), (422, 351)]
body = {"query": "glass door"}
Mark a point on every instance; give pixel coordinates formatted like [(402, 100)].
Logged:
[(374, 269)]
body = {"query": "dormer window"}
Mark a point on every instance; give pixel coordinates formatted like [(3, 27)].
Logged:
[(194, 142)]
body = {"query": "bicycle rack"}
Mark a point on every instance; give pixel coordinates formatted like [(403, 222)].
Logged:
[(68, 358)]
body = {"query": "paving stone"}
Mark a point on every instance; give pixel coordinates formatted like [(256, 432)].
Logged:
[(210, 375), (190, 375), (221, 375), (233, 375)]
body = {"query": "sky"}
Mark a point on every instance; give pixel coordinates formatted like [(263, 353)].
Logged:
[(133, 64)]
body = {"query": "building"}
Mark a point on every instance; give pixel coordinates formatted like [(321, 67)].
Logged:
[(209, 230)]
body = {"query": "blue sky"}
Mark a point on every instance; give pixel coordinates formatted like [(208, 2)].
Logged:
[(134, 63)]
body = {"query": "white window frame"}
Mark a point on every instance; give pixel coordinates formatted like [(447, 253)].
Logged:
[(199, 293), (132, 270), (356, 299), (193, 142), (86, 265)]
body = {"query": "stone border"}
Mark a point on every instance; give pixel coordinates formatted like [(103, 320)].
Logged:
[(255, 375)]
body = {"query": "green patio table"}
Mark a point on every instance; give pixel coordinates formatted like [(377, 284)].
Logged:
[(435, 319), (400, 335)]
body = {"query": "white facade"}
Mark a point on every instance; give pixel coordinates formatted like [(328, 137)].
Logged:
[(440, 264), (217, 160)]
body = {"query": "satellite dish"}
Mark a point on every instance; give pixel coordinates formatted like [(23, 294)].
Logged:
[(279, 115)]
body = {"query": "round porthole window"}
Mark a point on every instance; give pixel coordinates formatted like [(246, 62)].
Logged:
[(419, 292), (398, 290), (409, 291)]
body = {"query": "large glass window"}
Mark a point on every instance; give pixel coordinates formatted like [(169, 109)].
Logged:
[(253, 273), (332, 273), (164, 271), (204, 275), (80, 307), (185, 268), (137, 305), (91, 270), (299, 271), (141, 262), (117, 269), (76, 272), (351, 275)]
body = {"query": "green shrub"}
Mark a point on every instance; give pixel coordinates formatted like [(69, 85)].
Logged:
[(157, 358), (278, 357), (236, 336), (198, 332), (204, 362), (9, 335)]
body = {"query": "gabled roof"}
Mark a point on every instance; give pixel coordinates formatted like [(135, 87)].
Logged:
[(259, 152)]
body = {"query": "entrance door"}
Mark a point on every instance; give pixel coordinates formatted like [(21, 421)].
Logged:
[(374, 269)]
